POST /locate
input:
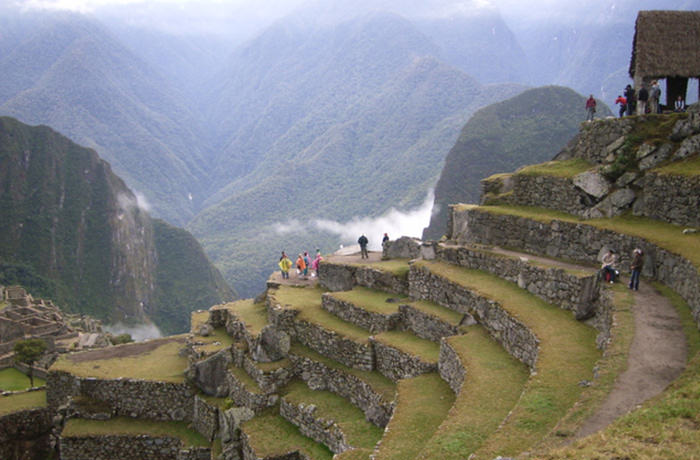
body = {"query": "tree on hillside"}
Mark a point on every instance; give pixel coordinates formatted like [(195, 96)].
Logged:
[(28, 352)]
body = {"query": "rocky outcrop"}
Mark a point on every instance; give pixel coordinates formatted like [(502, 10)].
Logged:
[(341, 277)]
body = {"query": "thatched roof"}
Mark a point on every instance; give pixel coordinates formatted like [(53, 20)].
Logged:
[(666, 44)]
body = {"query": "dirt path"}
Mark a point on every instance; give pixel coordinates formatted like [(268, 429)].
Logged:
[(656, 357)]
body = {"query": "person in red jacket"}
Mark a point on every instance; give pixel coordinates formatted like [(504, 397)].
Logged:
[(623, 104), (590, 108)]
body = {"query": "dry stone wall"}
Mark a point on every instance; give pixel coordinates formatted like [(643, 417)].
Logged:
[(125, 447), (206, 418), (321, 430), (251, 398), (340, 277), (396, 364), (19, 428), (372, 321), (426, 326), (670, 198), (450, 366)]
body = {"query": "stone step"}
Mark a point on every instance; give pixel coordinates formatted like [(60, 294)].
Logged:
[(370, 391), (270, 436), (335, 274), (560, 351), (402, 354), (371, 309), (572, 287), (488, 383), (423, 402), (298, 312), (328, 418)]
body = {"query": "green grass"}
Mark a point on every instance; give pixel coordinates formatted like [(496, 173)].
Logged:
[(245, 379), (397, 267), (687, 167), (217, 340), (254, 315), (423, 402), (567, 354), (161, 363), (492, 386), (272, 366), (4, 304), (270, 436), (358, 431), (198, 319), (372, 300), (307, 300), (410, 343), (214, 401), (354, 454), (13, 380), (667, 236), (433, 309), (377, 381), (22, 401), (78, 428), (566, 168)]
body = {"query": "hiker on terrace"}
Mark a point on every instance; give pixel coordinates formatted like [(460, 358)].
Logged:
[(631, 99), (315, 264), (301, 266), (307, 263), (642, 99), (285, 264), (608, 266), (636, 267), (623, 104), (385, 239), (590, 108), (363, 242)]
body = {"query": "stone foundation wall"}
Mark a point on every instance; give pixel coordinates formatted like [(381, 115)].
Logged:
[(597, 140), (402, 248), (320, 430), (373, 322), (425, 326), (124, 447), (674, 199), (334, 345), (396, 364), (269, 382), (208, 374), (450, 367), (339, 277), (60, 386), (318, 376), (249, 398), (580, 242), (553, 285), (205, 419), (542, 191), (25, 425), (513, 335)]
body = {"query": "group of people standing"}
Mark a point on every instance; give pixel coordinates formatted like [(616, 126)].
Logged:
[(303, 264), (647, 100), (610, 273)]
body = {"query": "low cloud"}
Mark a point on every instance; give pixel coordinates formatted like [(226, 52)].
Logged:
[(394, 222), (139, 332)]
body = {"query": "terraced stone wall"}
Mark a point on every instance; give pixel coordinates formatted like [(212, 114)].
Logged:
[(396, 364), (129, 448), (339, 277), (318, 429), (576, 242), (373, 322), (205, 418), (450, 366), (26, 430), (513, 335), (674, 199), (597, 140), (544, 191)]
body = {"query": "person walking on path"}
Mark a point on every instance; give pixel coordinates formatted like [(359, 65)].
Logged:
[(623, 105), (285, 264), (316, 262), (363, 242), (636, 267), (590, 108), (608, 266), (301, 266), (642, 99), (631, 101)]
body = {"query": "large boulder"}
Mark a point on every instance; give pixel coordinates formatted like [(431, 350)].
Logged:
[(593, 183)]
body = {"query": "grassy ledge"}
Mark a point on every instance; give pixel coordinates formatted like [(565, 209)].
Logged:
[(307, 301), (492, 386), (79, 428), (438, 311), (397, 267), (423, 403), (565, 169), (411, 344), (372, 300), (354, 454), (377, 381), (687, 167), (567, 354), (155, 360), (13, 380), (22, 401), (253, 315), (358, 431), (270, 435), (246, 380)]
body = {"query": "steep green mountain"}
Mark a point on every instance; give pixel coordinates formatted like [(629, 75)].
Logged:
[(68, 72), (529, 128), (73, 228)]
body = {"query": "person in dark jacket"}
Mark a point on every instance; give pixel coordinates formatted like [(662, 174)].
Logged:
[(636, 267), (590, 108), (363, 242), (631, 97), (642, 99)]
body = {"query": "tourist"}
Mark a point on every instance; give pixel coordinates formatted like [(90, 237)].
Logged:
[(301, 266), (642, 99), (307, 263), (679, 104), (385, 239), (623, 104), (636, 267), (285, 264), (654, 96), (590, 108), (608, 267), (316, 263), (363, 242), (631, 99)]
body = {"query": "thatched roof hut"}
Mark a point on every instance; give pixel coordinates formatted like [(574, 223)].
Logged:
[(666, 45)]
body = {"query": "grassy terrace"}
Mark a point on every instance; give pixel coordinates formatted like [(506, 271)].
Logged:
[(198, 319), (664, 235), (358, 431), (354, 454), (77, 427), (272, 366), (423, 403), (492, 386), (253, 315), (245, 379), (666, 426), (687, 167), (155, 360), (567, 355), (13, 380), (566, 168), (410, 343), (397, 267), (372, 300), (377, 381), (433, 309), (307, 300), (22, 401), (271, 435)]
